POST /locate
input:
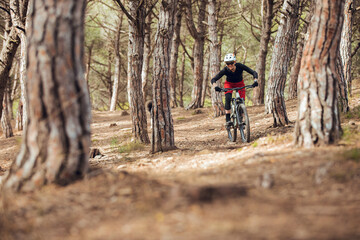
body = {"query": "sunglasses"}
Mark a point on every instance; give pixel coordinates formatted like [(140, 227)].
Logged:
[(230, 63)]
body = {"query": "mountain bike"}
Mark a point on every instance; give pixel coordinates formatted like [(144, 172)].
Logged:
[(239, 116)]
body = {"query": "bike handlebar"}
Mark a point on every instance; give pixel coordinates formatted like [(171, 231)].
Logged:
[(235, 89)]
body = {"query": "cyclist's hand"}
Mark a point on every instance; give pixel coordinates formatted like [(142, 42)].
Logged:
[(255, 84), (218, 89)]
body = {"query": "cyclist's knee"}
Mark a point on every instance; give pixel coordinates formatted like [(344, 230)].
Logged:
[(227, 100)]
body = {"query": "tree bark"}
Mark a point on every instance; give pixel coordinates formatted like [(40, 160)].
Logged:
[(198, 50), (294, 74), (174, 56), (6, 59), (216, 98), (318, 121), (163, 127), (88, 62), (135, 61), (205, 82), (5, 118), (345, 44), (282, 53), (5, 121), (342, 87), (56, 141), (181, 82), (23, 57), (115, 87), (268, 14), (19, 117), (13, 86), (147, 56)]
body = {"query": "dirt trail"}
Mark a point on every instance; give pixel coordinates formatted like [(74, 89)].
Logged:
[(208, 188)]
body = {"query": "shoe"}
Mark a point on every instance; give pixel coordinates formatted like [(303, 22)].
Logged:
[(228, 124)]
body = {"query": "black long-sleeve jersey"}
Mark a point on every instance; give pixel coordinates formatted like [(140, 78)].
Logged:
[(236, 76)]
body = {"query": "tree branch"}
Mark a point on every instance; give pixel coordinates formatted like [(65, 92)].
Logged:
[(151, 8), (190, 20), (355, 50), (185, 50), (125, 11), (5, 10)]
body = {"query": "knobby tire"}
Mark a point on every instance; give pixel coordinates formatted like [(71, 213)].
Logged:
[(244, 124)]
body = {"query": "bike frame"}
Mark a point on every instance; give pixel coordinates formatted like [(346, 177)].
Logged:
[(235, 102), (236, 109)]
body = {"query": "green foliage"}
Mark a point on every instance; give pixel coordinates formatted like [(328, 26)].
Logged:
[(255, 144), (130, 147), (353, 113), (114, 143), (352, 155), (15, 106), (350, 135), (126, 147)]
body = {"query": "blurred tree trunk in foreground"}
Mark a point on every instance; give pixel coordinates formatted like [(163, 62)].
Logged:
[(318, 121), (56, 140)]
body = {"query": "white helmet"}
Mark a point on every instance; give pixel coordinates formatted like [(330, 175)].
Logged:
[(230, 57)]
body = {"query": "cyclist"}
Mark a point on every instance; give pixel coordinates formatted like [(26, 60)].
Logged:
[(234, 79)]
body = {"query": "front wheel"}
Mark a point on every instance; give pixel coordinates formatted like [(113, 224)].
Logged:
[(244, 125), (232, 130)]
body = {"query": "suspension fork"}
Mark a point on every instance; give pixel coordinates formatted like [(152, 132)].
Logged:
[(235, 112)]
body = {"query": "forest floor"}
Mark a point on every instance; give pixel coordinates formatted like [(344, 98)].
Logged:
[(209, 188)]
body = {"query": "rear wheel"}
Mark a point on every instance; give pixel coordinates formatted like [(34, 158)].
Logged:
[(244, 125)]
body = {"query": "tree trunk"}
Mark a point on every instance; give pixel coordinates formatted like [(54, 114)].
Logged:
[(135, 61), (109, 76), (19, 117), (181, 82), (23, 95), (88, 61), (174, 56), (163, 127), (6, 59), (5, 118), (342, 87), (115, 88), (147, 56), (318, 121), (198, 52), (282, 53), (214, 59), (345, 44), (294, 74), (259, 92), (205, 82), (59, 104), (13, 85), (20, 18)]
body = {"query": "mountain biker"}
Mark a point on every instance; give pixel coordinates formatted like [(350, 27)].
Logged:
[(234, 79)]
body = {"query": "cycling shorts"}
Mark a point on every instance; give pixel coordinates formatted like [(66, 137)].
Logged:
[(235, 85)]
